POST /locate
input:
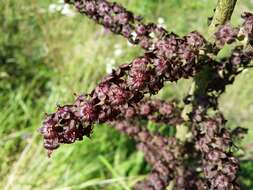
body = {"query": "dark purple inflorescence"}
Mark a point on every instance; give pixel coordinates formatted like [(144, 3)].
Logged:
[(215, 142), (127, 85), (211, 138), (72, 122), (226, 34), (162, 153), (113, 97), (153, 110), (247, 27), (62, 127), (165, 155), (119, 100)]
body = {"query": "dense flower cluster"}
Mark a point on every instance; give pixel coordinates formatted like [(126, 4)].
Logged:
[(165, 156), (154, 110), (119, 100), (162, 153), (228, 34), (163, 173), (62, 127), (247, 28), (211, 138), (214, 142), (127, 85), (158, 179), (71, 122)]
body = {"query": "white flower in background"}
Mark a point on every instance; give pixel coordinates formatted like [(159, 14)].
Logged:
[(109, 65), (161, 22), (52, 8), (118, 50), (61, 7), (67, 11)]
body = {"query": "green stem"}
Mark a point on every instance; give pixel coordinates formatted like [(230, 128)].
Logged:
[(222, 14)]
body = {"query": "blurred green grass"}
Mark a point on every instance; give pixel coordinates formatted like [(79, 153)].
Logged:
[(46, 57)]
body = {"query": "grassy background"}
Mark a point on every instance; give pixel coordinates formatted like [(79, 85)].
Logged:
[(46, 56)]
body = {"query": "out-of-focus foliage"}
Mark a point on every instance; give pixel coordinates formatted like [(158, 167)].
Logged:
[(47, 53), (23, 75)]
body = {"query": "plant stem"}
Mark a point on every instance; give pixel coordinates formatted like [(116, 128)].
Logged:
[(222, 14)]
